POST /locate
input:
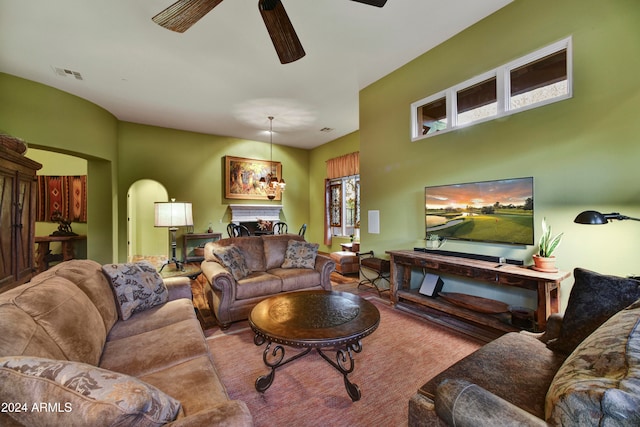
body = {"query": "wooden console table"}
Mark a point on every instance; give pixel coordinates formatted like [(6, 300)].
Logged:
[(546, 285), (43, 252)]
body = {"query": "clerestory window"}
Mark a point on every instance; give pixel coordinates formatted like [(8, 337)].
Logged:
[(537, 79)]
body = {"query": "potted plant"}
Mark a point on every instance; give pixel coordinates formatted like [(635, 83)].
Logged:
[(544, 260), (434, 241)]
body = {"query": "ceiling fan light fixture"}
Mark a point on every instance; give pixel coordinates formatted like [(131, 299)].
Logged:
[(181, 15)]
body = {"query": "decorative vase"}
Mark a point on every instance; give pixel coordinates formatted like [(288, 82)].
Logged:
[(545, 264)]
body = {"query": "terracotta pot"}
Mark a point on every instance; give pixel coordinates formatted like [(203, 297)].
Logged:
[(544, 264)]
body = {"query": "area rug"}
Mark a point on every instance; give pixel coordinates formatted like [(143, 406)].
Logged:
[(399, 357), (339, 279)]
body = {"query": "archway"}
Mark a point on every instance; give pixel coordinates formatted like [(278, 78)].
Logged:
[(143, 239)]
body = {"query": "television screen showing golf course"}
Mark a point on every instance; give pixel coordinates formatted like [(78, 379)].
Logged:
[(490, 211)]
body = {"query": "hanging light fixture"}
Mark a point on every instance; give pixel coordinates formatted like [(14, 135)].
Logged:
[(270, 183)]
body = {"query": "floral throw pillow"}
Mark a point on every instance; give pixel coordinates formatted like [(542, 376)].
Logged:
[(137, 287), (232, 259), (300, 254), (83, 393)]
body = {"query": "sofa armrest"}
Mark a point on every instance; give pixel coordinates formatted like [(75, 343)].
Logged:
[(178, 287), (552, 331), (461, 403), (220, 279), (231, 413), (325, 265)]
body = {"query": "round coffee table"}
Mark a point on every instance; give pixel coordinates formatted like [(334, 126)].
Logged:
[(320, 320)]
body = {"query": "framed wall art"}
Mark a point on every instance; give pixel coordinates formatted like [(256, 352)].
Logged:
[(242, 178), (64, 194)]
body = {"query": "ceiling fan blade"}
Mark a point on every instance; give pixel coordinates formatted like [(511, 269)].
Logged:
[(181, 15), (282, 34), (378, 3)]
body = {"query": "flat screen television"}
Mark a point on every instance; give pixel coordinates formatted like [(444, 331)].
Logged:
[(499, 211)]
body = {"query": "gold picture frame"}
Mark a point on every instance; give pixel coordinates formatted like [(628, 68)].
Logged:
[(242, 178)]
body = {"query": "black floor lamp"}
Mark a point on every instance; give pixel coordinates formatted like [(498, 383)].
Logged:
[(173, 215)]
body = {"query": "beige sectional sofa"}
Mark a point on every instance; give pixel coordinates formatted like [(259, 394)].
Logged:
[(67, 357), (583, 371), (260, 266)]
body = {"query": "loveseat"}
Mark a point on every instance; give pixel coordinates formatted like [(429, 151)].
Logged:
[(584, 370), (242, 271), (68, 357)]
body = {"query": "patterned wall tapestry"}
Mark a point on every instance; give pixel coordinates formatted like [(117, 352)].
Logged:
[(67, 194)]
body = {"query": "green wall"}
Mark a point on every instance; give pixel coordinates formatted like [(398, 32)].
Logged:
[(54, 120), (582, 152), (191, 167)]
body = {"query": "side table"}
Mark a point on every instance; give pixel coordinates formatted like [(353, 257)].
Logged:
[(43, 252), (192, 245), (350, 247), (191, 271)]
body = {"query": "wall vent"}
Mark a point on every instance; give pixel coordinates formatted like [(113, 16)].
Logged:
[(65, 72), (326, 130)]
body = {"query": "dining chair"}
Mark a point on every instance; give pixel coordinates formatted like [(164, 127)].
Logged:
[(280, 228), (241, 230)]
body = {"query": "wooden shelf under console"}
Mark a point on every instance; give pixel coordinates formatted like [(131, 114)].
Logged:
[(546, 285)]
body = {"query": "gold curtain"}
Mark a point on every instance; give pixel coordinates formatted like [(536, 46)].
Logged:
[(338, 167), (346, 165)]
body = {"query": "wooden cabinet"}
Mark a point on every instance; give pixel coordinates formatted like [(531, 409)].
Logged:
[(18, 187), (192, 245), (546, 286)]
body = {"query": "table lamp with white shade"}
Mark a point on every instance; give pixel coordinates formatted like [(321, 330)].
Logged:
[(173, 215)]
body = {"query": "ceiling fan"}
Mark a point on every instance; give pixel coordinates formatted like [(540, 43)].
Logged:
[(181, 15)]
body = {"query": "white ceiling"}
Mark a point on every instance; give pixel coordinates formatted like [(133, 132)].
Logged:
[(223, 76)]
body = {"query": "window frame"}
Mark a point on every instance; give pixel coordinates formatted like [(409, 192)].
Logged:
[(344, 229), (469, 84), (418, 124), (502, 75)]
